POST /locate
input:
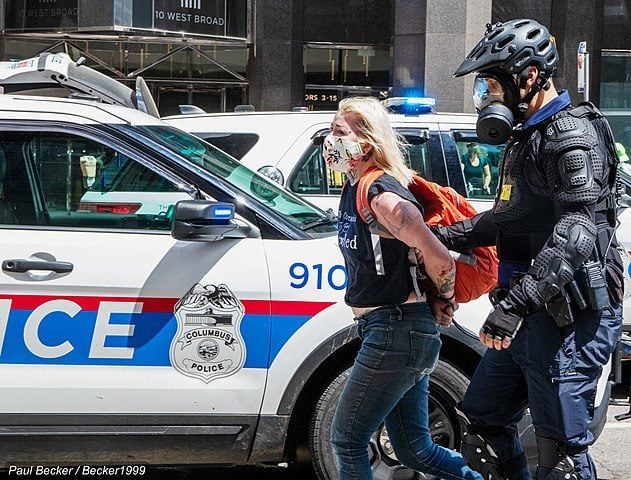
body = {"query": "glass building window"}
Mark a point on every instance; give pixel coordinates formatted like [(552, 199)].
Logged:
[(215, 63), (365, 66), (615, 83)]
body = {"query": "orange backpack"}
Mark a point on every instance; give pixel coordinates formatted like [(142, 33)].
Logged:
[(476, 274)]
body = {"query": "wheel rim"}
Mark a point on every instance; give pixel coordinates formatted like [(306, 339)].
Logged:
[(383, 460)]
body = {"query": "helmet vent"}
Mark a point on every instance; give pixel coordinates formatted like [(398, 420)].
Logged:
[(521, 59), (521, 24), (544, 46), (535, 32), (480, 53), (505, 41), (495, 33)]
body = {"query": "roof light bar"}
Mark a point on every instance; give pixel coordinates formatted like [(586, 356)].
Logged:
[(409, 105)]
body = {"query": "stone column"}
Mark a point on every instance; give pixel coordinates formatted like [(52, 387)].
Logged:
[(409, 42), (275, 67), (453, 29), (431, 38), (574, 21)]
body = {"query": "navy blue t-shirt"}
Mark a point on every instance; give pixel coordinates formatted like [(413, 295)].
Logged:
[(365, 288)]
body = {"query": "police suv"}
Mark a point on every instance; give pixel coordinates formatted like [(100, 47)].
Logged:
[(162, 303)]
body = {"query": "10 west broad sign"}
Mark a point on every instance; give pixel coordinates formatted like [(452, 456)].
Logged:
[(204, 17), (221, 18)]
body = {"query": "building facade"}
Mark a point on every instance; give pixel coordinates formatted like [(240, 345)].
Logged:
[(189, 51), (278, 54)]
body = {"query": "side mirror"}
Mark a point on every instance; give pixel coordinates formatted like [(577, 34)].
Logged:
[(205, 221)]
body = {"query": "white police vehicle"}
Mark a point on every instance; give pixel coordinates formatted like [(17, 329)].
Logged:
[(206, 325)]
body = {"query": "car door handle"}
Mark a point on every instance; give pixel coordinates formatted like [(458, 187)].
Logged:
[(22, 266)]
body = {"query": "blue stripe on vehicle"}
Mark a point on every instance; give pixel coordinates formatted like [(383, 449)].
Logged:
[(151, 340)]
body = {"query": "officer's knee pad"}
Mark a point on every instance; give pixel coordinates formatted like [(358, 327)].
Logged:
[(553, 455), (479, 454)]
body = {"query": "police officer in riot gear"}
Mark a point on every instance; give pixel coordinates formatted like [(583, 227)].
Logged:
[(557, 308)]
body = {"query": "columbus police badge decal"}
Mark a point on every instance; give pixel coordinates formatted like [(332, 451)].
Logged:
[(208, 342)]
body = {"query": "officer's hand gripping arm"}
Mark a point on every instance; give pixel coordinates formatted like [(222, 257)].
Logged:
[(477, 231)]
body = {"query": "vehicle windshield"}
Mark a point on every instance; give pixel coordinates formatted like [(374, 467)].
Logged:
[(302, 214)]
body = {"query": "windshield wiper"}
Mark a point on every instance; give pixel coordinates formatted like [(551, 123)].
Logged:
[(328, 220)]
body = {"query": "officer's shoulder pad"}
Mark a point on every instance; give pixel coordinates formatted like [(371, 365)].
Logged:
[(567, 132), (564, 126)]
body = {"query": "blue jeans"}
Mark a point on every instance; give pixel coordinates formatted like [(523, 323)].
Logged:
[(389, 382), (552, 370)]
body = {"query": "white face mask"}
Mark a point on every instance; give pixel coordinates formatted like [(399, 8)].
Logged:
[(341, 154)]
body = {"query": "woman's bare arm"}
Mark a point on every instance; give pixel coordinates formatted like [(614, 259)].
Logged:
[(487, 177), (405, 222)]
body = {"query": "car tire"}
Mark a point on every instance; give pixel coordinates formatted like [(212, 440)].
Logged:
[(447, 387)]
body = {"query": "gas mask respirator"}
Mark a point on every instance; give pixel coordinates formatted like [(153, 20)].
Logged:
[(494, 101)]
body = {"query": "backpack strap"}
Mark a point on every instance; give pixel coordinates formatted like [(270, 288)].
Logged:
[(367, 215), (361, 200)]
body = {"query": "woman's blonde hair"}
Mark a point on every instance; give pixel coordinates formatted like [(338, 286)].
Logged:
[(369, 120)]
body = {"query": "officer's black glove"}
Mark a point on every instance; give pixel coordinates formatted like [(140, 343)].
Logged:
[(502, 324)]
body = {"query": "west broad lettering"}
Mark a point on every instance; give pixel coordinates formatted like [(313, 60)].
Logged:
[(209, 20)]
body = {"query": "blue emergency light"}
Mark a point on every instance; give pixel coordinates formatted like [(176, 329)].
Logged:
[(409, 105), (223, 212)]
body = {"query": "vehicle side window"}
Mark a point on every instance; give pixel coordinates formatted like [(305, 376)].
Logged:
[(235, 144), (62, 180), (335, 181), (311, 177), (479, 163), (417, 151), (308, 178)]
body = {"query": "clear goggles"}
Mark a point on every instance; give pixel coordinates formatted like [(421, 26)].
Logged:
[(486, 90)]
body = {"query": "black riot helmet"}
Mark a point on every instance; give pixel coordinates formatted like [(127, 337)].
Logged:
[(512, 47), (501, 60)]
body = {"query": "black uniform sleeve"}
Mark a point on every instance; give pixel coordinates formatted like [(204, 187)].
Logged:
[(574, 171), (477, 231)]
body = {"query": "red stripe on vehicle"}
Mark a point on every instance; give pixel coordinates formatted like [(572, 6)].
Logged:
[(163, 305), (30, 302), (285, 307)]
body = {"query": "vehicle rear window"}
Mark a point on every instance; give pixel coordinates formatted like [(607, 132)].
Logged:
[(479, 163), (235, 144)]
